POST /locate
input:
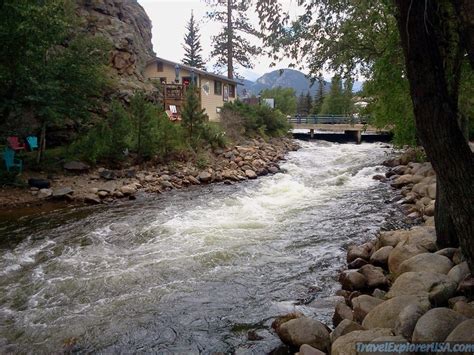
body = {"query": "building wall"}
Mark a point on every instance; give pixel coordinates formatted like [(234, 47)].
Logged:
[(209, 100)]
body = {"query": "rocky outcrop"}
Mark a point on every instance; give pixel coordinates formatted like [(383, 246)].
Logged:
[(125, 24)]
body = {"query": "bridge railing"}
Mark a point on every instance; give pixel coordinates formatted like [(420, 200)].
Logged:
[(328, 119)]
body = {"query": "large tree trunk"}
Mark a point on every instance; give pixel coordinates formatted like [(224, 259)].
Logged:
[(436, 115), (230, 35), (446, 236)]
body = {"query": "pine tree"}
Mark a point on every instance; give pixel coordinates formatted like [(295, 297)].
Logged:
[(318, 97), (192, 45), (229, 46), (308, 103), (193, 117)]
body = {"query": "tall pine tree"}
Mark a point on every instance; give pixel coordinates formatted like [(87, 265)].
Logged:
[(230, 47), (192, 45), (318, 97)]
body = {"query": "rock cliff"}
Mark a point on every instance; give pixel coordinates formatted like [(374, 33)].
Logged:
[(127, 26)]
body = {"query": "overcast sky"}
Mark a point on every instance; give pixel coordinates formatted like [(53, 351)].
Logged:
[(169, 18)]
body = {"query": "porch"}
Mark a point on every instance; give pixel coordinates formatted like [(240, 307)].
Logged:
[(174, 96)]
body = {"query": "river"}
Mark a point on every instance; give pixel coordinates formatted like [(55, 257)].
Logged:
[(192, 271)]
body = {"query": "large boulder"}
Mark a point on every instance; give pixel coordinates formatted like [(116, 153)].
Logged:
[(343, 328), (437, 287), (346, 344), (407, 319), (306, 349), (463, 332), (363, 304), (352, 280), (436, 324), (62, 192), (464, 308), (374, 276), (76, 167), (386, 314), (204, 176), (403, 251), (341, 312), (380, 257), (459, 272), (304, 330), (358, 251), (427, 262)]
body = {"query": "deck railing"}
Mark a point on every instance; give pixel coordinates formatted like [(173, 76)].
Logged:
[(328, 119)]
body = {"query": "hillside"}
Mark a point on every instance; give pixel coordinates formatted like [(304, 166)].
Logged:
[(280, 78)]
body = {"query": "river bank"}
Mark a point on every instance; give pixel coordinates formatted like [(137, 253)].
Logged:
[(80, 184), (399, 287)]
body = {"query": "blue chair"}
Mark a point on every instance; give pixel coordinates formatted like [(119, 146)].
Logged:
[(10, 161), (32, 142)]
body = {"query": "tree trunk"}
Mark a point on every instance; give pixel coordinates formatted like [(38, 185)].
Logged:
[(42, 143), (436, 115), (446, 236), (230, 35)]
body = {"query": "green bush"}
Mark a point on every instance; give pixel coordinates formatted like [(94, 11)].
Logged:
[(213, 134), (256, 120)]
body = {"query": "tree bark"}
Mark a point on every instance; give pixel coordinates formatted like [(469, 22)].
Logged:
[(230, 35), (436, 115), (446, 236)]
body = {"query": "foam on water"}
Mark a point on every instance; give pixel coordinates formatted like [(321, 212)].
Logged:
[(193, 263)]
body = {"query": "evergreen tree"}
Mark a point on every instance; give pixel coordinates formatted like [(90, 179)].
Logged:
[(333, 103), (308, 103), (318, 97), (193, 117), (348, 104), (192, 45), (229, 46)]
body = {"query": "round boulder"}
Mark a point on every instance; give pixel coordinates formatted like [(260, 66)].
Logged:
[(427, 262), (363, 305), (343, 328), (380, 257), (346, 344), (304, 330), (436, 324), (463, 332), (352, 280)]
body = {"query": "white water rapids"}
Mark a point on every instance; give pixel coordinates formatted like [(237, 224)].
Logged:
[(191, 271)]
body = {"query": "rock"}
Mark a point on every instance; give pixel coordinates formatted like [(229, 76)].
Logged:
[(436, 325), (459, 272), (273, 169), (304, 330), (108, 175), (407, 319), (447, 252), (357, 263), (379, 177), (343, 328), (39, 183), (414, 244), (378, 293), (437, 287), (62, 192), (380, 257), (429, 210), (386, 314), (458, 257), (358, 251), (204, 176), (93, 190), (352, 280), (391, 238), (252, 335), (462, 332), (432, 191), (102, 194), (118, 194), (406, 179), (464, 308), (427, 262), (466, 287), (452, 301), (421, 189), (193, 180), (250, 174), (306, 349), (363, 305), (374, 276), (45, 193), (76, 166), (128, 189), (285, 318), (92, 199), (346, 344), (342, 311)]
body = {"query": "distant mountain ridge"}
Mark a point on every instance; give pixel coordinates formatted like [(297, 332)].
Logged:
[(286, 78)]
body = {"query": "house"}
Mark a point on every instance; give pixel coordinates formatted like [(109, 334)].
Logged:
[(214, 90)]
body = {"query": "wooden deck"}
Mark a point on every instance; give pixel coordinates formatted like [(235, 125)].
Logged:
[(175, 94)]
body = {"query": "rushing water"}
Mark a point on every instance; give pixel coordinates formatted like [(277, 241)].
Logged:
[(191, 271)]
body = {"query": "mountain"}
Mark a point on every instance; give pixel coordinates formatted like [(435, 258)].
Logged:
[(287, 78)]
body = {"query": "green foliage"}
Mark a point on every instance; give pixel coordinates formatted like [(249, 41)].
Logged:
[(213, 134), (318, 97), (193, 117), (257, 120), (192, 45), (339, 100), (285, 99), (47, 67)]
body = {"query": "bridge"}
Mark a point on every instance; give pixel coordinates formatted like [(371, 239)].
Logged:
[(349, 125)]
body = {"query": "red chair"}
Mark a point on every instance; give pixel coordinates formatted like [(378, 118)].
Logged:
[(14, 143)]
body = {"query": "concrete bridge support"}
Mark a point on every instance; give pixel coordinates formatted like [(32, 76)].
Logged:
[(356, 134), (311, 133)]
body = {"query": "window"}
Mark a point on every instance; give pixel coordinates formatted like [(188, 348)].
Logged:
[(159, 66), (226, 93), (217, 88), (218, 109), (231, 90)]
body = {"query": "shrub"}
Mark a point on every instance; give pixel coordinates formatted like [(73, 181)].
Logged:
[(213, 134)]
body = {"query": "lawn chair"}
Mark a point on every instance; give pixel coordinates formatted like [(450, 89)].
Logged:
[(10, 161), (14, 143), (32, 142), (174, 113)]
